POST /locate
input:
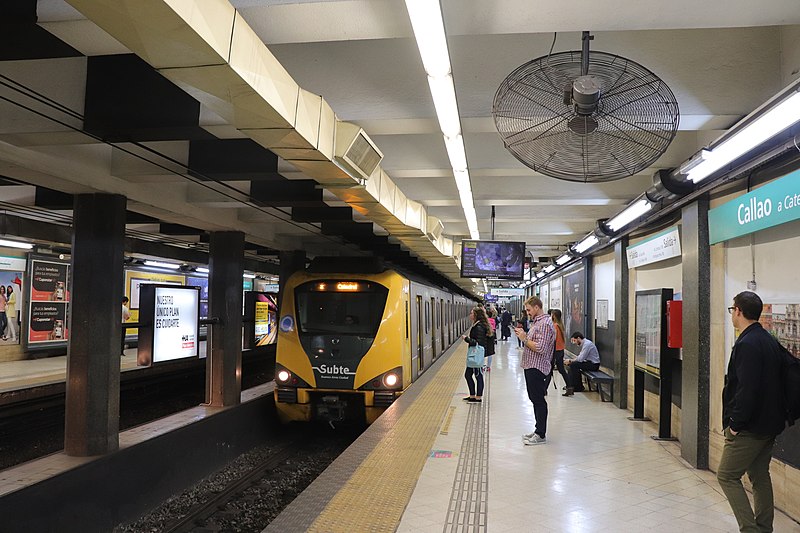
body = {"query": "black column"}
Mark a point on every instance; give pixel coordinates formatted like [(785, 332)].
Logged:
[(621, 325), (588, 297), (95, 325), (696, 333), (224, 365), (290, 262)]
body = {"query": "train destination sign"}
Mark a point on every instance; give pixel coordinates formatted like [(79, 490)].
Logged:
[(773, 204)]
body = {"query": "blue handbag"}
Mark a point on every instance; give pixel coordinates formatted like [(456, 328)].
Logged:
[(475, 356)]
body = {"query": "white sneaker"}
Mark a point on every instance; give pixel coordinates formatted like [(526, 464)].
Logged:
[(536, 439), (528, 435)]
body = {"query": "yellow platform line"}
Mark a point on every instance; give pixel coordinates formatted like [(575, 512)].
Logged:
[(376, 495)]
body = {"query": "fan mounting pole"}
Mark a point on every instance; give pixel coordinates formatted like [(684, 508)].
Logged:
[(585, 52), (492, 223)]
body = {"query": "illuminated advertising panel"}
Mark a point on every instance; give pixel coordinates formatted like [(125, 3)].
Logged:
[(170, 323)]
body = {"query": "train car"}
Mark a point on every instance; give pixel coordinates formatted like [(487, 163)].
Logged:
[(353, 335)]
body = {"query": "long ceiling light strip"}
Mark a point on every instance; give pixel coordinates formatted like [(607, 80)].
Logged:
[(428, 25), (629, 214), (749, 137)]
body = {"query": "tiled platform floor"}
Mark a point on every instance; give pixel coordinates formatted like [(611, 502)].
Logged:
[(598, 471)]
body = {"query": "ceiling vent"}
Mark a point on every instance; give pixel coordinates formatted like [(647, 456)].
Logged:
[(435, 228), (355, 152)]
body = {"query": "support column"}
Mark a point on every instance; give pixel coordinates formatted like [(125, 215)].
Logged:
[(290, 262), (588, 297), (95, 325), (224, 364), (621, 325), (696, 289)]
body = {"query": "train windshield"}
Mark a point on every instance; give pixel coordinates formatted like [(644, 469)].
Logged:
[(336, 307)]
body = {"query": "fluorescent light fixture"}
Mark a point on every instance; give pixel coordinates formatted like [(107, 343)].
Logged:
[(742, 141), (159, 264), (202, 270), (456, 153), (426, 20), (587, 242), (248, 275), (563, 259), (15, 244), (444, 100), (629, 214), (462, 181)]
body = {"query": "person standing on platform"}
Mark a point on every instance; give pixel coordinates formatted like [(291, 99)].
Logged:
[(477, 336), (561, 342), (126, 315), (491, 339), (588, 359), (752, 415), (537, 362), (11, 312), (505, 324)]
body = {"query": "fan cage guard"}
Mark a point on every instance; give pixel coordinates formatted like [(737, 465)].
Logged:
[(634, 123)]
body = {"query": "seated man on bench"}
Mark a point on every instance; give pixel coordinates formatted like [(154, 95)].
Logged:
[(588, 359)]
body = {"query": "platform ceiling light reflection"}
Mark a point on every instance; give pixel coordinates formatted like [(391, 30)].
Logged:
[(159, 264)]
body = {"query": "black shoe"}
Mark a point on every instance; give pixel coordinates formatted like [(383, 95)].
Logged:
[(473, 400), (569, 392), (468, 398)]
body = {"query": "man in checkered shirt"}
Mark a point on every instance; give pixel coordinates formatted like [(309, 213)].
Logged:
[(537, 361)]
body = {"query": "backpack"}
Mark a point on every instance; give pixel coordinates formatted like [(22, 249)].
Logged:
[(475, 356), (790, 376)]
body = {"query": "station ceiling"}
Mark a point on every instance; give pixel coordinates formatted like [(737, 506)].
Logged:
[(80, 113)]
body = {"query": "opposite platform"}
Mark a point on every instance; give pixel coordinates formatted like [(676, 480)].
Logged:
[(433, 463)]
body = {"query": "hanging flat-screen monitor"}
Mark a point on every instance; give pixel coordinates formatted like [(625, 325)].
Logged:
[(492, 259)]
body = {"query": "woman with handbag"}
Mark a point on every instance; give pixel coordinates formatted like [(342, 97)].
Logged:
[(477, 340)]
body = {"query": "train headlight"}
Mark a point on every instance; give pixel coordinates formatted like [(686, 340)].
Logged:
[(390, 380), (283, 376)]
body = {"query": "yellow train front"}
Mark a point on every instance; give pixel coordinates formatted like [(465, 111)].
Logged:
[(350, 343)]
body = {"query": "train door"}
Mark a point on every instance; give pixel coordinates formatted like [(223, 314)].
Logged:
[(420, 347), (441, 323), (433, 328)]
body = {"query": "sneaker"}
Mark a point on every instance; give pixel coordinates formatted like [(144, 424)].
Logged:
[(474, 400), (533, 441), (570, 392), (528, 435), (466, 399)]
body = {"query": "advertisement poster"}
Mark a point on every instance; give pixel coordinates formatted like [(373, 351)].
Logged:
[(135, 278), (193, 281), (49, 281), (175, 327), (555, 297), (573, 285), (48, 322), (48, 310), (647, 343), (266, 319), (11, 274)]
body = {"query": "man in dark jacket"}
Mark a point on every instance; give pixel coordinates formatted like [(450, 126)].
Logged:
[(752, 415)]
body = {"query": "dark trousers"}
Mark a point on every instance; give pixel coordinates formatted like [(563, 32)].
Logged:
[(748, 453), (558, 363), (575, 373), (536, 383), (471, 384)]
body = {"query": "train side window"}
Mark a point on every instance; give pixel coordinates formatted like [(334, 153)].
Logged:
[(406, 319)]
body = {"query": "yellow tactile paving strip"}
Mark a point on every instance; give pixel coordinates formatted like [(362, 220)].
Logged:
[(375, 496)]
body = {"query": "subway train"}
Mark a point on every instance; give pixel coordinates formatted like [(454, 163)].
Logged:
[(353, 335)]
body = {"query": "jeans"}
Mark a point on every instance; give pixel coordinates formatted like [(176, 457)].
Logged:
[(751, 453), (471, 384), (536, 383)]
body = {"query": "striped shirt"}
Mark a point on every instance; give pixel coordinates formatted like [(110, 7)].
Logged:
[(542, 332)]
